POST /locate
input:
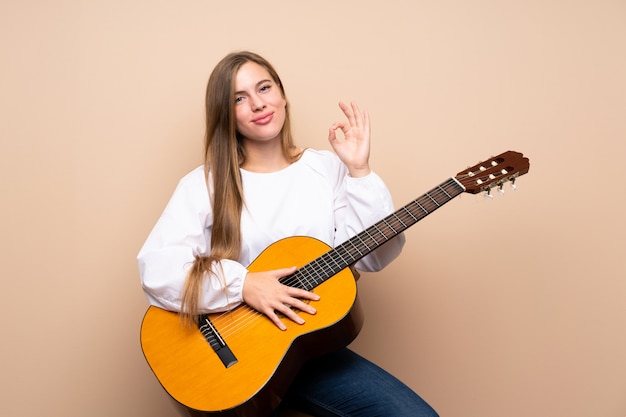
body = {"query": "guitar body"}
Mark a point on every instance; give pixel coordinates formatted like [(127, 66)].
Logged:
[(268, 359)]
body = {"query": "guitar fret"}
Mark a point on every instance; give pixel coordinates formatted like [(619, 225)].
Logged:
[(448, 195), (390, 226), (344, 261), (362, 241), (297, 278), (415, 219), (328, 267), (330, 255), (434, 201), (396, 224), (306, 284), (323, 258), (422, 207), (315, 273), (311, 282), (380, 231), (354, 246), (338, 266), (401, 222), (348, 256)]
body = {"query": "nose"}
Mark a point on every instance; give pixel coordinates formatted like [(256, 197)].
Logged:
[(257, 103)]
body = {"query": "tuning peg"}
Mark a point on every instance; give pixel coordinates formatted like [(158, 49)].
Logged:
[(513, 186), (500, 190), (488, 195)]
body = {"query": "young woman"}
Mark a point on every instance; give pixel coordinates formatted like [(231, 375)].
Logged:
[(255, 188)]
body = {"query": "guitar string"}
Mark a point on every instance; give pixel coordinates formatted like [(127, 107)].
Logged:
[(251, 313), (237, 324), (394, 223), (240, 323)]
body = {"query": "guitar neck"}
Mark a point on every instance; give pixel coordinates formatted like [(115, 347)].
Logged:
[(349, 252)]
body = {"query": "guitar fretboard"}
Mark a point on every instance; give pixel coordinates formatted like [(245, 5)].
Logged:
[(332, 262)]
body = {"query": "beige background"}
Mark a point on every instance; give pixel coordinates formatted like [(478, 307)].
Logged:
[(510, 307)]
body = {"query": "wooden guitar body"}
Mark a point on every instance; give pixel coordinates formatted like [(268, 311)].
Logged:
[(268, 359)]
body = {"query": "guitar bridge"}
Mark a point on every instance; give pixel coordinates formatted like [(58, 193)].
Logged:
[(214, 339)]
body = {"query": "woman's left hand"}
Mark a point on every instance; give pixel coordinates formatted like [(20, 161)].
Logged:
[(354, 149)]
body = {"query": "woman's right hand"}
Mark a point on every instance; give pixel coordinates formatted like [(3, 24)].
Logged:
[(265, 293)]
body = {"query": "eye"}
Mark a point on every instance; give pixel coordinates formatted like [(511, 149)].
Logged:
[(265, 87), (238, 99)]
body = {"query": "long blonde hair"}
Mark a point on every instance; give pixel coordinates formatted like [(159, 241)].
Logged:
[(223, 156)]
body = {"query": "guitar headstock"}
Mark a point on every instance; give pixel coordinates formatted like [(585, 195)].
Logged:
[(493, 172)]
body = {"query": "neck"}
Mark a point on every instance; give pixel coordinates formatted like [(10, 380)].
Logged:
[(264, 157)]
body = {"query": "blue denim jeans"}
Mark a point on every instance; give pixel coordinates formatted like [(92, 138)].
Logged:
[(344, 384)]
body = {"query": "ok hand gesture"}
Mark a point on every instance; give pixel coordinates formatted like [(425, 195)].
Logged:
[(354, 149)]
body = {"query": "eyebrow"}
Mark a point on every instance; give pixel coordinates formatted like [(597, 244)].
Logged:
[(256, 86)]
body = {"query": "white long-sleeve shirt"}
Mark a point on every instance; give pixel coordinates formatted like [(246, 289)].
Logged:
[(313, 197)]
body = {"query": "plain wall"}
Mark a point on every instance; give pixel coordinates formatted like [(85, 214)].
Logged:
[(510, 307)]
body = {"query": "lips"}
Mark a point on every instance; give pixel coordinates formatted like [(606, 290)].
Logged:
[(263, 119)]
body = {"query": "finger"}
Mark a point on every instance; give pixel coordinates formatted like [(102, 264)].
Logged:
[(332, 136), (283, 272), (290, 314), (298, 295), (307, 295), (348, 112), (276, 320), (366, 124), (332, 132), (357, 114), (302, 306)]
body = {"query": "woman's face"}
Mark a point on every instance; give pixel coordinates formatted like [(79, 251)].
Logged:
[(259, 104)]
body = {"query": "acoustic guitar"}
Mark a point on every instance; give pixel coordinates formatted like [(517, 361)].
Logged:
[(238, 363)]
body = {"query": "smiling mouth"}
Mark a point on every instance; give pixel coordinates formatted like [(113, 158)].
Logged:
[(263, 119)]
